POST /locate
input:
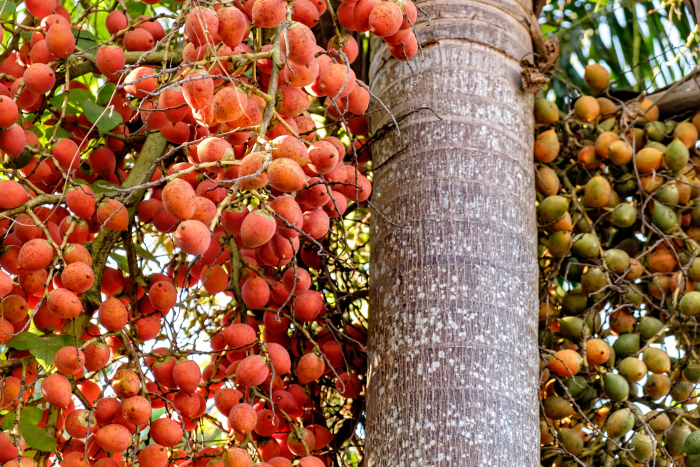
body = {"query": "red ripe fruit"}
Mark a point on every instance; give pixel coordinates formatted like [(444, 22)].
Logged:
[(187, 375), (316, 223), (78, 277), (250, 165), (39, 78), (192, 237), (40, 53), (229, 103), (40, 8), (57, 391), (304, 12), (296, 281), (178, 198), (8, 112), (257, 229), (126, 383), (153, 455), (116, 21), (202, 27), (267, 423), (64, 304), (310, 368), (405, 50), (60, 40), (242, 418), (103, 162), (138, 40), (296, 446), (166, 432), (13, 140), (279, 356), (172, 102), (252, 371), (162, 295), (68, 360), (346, 16), (240, 337), (105, 410), (237, 457), (113, 215), (411, 13), (34, 255), (111, 60), (269, 13), (226, 398), (348, 385), (112, 314), (138, 87), (67, 153), (311, 461), (232, 26), (198, 89), (358, 100), (289, 147), (337, 81), (113, 438), (302, 44), (96, 356), (308, 305), (256, 292), (77, 423), (361, 13), (213, 150), (385, 19), (324, 157), (136, 410), (81, 199), (7, 331), (285, 175)]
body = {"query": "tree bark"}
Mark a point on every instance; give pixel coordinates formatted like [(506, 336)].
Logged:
[(453, 376)]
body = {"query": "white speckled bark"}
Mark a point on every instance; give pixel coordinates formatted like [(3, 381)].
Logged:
[(453, 375)]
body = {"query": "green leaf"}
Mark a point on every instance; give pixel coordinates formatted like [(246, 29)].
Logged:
[(103, 118), (135, 9), (121, 261), (76, 97), (105, 94), (31, 416), (7, 8), (36, 130), (44, 349), (61, 133), (38, 438), (85, 39), (144, 253), (102, 186)]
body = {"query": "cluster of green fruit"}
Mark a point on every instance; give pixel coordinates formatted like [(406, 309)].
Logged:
[(619, 225)]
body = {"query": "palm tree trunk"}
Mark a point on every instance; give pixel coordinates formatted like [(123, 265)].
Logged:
[(453, 379)]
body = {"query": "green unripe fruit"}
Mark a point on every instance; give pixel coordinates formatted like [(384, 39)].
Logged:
[(690, 304), (669, 126), (695, 214), (576, 386), (573, 328), (642, 447), (557, 408), (616, 387), (682, 391), (558, 243), (627, 186), (692, 372), (617, 260), (649, 327), (546, 112), (675, 439), (597, 192), (668, 194), (691, 447), (655, 131), (676, 155), (619, 423), (632, 369), (593, 280), (634, 297), (624, 215), (694, 270), (626, 345), (553, 208), (570, 271), (655, 145), (692, 461), (574, 303), (664, 217), (570, 440), (587, 246)]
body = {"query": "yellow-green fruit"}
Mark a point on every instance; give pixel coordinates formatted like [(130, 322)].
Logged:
[(603, 142), (676, 155), (664, 218), (657, 386), (573, 328), (668, 194), (593, 281), (558, 244), (687, 133), (575, 386), (690, 304), (691, 447), (624, 215), (694, 270), (547, 146), (586, 108), (619, 153), (655, 131), (553, 208), (684, 189), (587, 246), (619, 423), (617, 260), (596, 77), (574, 303), (656, 360), (682, 391), (648, 111), (556, 408), (675, 439), (547, 181), (570, 440), (626, 345), (616, 387), (669, 126), (642, 447), (656, 145), (597, 192), (632, 369), (658, 421), (649, 327), (692, 372), (546, 112), (614, 200)]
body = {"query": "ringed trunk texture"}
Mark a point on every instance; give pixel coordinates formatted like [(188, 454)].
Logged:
[(453, 378)]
